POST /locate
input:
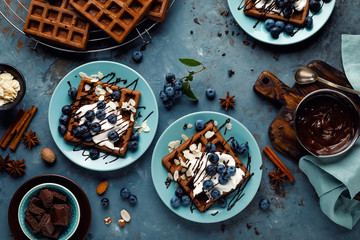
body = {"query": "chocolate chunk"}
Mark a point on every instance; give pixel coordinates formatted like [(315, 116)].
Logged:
[(46, 225), (58, 197), (60, 214), (46, 198), (31, 222), (37, 202), (34, 209)]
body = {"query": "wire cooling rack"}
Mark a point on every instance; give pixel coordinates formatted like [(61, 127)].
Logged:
[(15, 12)]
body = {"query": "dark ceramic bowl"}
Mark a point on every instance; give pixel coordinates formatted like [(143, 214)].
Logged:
[(327, 123), (20, 78)]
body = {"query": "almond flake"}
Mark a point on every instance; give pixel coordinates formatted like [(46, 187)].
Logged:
[(189, 125), (193, 147), (176, 175), (209, 134), (174, 144), (109, 90), (183, 164), (215, 123), (183, 170), (132, 117), (177, 162), (189, 173), (125, 215), (100, 75), (83, 75), (228, 126), (94, 80), (183, 177), (87, 87), (144, 126), (170, 149), (184, 137), (112, 105), (133, 109), (199, 146), (132, 102), (102, 97), (170, 176)]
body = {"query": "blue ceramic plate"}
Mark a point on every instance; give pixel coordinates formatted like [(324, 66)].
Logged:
[(61, 98), (261, 34), (159, 173), (75, 210)]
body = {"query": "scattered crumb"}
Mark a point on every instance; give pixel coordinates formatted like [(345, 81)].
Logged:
[(276, 56), (223, 54), (191, 32), (245, 43), (196, 21), (230, 73), (219, 34)]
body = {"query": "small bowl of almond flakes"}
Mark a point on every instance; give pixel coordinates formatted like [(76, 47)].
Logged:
[(12, 87)]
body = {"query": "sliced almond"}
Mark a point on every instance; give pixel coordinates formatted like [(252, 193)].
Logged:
[(176, 175), (209, 134), (228, 126), (83, 75), (125, 215), (193, 147), (87, 87), (189, 173), (183, 170), (183, 164), (170, 176), (184, 137), (189, 125), (109, 90), (132, 102), (215, 123), (183, 176), (177, 162)]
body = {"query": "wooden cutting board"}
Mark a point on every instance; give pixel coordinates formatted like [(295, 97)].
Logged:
[(281, 130)]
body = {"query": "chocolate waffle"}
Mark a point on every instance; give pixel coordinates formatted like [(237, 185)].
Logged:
[(158, 10), (297, 18), (116, 17), (177, 162), (86, 95), (57, 22)]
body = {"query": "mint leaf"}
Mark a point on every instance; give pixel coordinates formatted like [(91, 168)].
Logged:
[(188, 92), (190, 62)]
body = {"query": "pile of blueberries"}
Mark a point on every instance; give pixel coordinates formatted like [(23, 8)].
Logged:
[(179, 198), (172, 90), (125, 194)]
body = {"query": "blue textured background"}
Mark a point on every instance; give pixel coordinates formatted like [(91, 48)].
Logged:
[(293, 215)]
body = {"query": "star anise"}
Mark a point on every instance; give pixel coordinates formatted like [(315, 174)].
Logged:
[(227, 102), (30, 139), (16, 168), (277, 177), (3, 162)]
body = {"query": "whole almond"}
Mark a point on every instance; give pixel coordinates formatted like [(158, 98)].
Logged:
[(48, 155)]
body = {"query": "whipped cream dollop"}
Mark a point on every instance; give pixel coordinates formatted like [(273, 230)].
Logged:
[(101, 138), (299, 5), (9, 88), (196, 160)]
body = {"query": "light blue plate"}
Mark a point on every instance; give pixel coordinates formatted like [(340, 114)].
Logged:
[(61, 98), (75, 210), (261, 34), (159, 173)]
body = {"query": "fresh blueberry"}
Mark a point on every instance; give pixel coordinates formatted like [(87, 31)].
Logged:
[(96, 127), (207, 185), (220, 168), (226, 174), (175, 202), (185, 200), (88, 139), (210, 148), (84, 132), (113, 136), (199, 125), (275, 32), (210, 93), (170, 77), (177, 94), (215, 194), (243, 148), (168, 85), (178, 85), (125, 193), (234, 145), (101, 104), (163, 96), (222, 202), (94, 153), (76, 131), (222, 180), (280, 3), (116, 95), (112, 118), (137, 56), (62, 129), (231, 170), (66, 109), (169, 103), (90, 115), (315, 5), (72, 93), (64, 119), (289, 28), (287, 12), (100, 114), (213, 158), (210, 170), (169, 91), (308, 22), (133, 146), (280, 25), (264, 204), (135, 136), (87, 123), (105, 202), (179, 192), (269, 24), (132, 199)]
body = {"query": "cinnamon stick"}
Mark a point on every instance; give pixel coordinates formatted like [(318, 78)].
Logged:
[(278, 163), (17, 138), (5, 140)]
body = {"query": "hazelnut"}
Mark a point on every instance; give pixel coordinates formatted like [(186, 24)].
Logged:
[(48, 155)]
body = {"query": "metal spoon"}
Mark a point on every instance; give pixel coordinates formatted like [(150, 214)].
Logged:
[(305, 75)]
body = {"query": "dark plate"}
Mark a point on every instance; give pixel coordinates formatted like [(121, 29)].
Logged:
[(85, 208), (20, 78)]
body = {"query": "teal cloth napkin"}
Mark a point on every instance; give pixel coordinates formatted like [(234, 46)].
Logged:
[(337, 180)]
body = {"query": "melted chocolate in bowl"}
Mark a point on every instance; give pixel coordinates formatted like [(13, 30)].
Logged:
[(326, 123)]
